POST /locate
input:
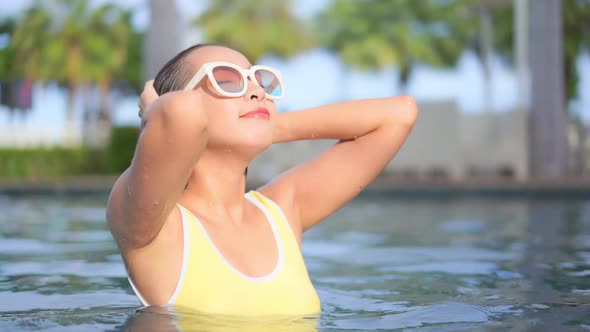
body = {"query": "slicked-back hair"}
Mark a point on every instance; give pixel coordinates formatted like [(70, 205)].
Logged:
[(174, 74)]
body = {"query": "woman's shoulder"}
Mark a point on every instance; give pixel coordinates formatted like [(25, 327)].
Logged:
[(283, 197)]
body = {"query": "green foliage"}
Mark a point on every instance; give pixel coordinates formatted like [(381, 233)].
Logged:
[(133, 68), (7, 54), (71, 43), (31, 41), (255, 27), (121, 148), (576, 38), (372, 34), (42, 163), (76, 45)]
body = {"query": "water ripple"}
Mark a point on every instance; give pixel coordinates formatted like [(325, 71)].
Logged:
[(450, 312), (71, 267), (26, 301)]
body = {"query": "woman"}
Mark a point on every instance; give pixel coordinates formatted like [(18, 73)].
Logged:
[(188, 234)]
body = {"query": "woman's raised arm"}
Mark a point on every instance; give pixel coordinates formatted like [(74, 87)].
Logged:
[(173, 137), (370, 132)]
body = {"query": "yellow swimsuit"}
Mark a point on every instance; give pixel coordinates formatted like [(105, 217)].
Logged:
[(209, 283)]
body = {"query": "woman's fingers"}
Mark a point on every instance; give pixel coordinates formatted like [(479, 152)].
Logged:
[(148, 95)]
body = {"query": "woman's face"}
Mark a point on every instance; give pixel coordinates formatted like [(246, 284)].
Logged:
[(229, 128)]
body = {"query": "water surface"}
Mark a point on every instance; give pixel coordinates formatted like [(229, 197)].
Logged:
[(381, 263)]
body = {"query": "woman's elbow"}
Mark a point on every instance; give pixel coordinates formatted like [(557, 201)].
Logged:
[(403, 111)]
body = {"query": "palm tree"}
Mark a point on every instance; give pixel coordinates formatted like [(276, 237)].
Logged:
[(373, 34), (255, 27), (548, 124), (576, 29), (30, 41), (7, 56), (105, 54), (68, 42)]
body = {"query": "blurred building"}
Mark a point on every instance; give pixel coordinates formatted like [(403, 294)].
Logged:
[(444, 144), (449, 144)]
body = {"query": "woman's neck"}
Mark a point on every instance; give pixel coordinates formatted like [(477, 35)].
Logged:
[(216, 188)]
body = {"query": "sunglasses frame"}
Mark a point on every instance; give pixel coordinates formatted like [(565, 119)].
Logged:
[(206, 70)]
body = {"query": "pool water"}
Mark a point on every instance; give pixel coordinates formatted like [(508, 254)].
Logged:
[(381, 263)]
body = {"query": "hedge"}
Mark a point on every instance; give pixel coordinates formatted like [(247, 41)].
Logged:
[(59, 162), (121, 148)]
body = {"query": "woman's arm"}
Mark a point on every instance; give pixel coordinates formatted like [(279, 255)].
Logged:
[(171, 142), (370, 131)]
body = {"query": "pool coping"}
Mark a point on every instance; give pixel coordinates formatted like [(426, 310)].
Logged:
[(494, 187)]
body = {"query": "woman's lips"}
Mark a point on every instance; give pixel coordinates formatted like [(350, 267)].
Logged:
[(261, 113)]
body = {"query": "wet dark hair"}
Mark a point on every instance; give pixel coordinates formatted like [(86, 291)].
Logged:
[(175, 74)]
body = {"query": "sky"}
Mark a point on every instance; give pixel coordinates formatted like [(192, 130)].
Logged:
[(318, 77)]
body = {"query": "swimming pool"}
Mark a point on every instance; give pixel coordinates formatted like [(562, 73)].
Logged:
[(381, 263)]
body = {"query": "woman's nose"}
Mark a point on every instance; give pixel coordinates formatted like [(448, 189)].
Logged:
[(255, 91)]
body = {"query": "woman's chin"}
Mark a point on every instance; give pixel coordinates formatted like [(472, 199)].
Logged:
[(243, 143), (258, 144), (261, 136)]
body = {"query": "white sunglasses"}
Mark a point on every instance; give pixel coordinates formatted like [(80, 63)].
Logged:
[(231, 80)]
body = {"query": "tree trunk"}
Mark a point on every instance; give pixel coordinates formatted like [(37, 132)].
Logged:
[(548, 143), (88, 102), (581, 154), (69, 134), (105, 117), (163, 38)]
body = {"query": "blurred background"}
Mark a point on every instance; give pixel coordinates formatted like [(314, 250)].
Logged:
[(503, 86)]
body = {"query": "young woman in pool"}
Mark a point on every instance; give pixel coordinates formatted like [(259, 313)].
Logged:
[(188, 234)]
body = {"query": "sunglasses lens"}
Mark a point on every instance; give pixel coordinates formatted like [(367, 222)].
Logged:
[(229, 79), (269, 82)]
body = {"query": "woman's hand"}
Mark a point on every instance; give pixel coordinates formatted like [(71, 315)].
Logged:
[(147, 97)]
